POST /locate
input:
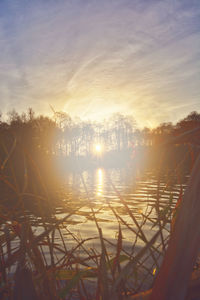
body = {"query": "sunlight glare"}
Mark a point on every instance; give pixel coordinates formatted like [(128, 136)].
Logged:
[(98, 148)]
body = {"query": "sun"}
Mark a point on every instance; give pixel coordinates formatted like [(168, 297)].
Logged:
[(98, 148)]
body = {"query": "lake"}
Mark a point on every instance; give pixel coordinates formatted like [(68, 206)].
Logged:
[(101, 189)]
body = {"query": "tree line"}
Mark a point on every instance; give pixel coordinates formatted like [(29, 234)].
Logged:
[(62, 135)]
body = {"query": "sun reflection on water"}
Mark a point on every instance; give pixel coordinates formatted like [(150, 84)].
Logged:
[(99, 182)]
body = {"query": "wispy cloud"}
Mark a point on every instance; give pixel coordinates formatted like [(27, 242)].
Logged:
[(92, 58)]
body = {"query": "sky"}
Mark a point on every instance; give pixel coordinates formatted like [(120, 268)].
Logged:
[(92, 58)]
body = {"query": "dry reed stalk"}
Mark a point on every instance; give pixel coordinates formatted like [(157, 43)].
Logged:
[(173, 278), (192, 293)]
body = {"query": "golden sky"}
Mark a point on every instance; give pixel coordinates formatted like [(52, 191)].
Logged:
[(94, 58)]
